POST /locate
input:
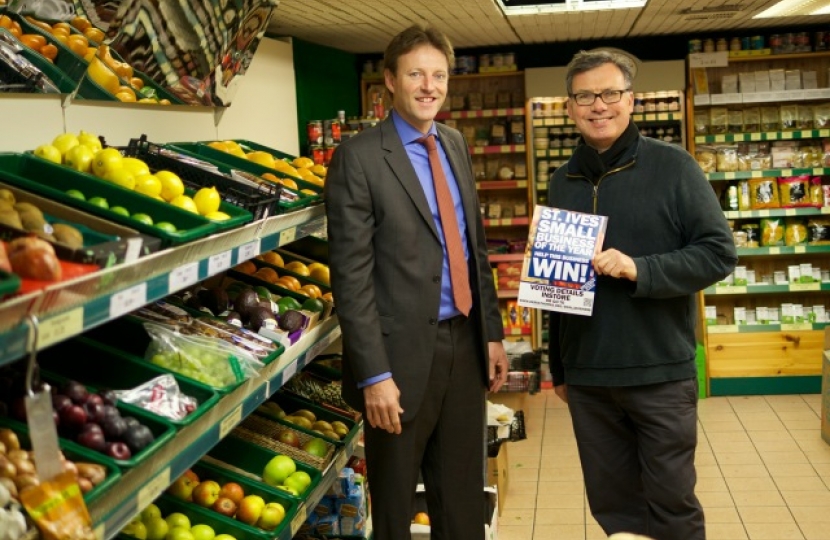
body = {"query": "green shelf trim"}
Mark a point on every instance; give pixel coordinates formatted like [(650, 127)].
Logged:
[(750, 386), (639, 118), (762, 328), (763, 136), (781, 250), (768, 173), (559, 152), (776, 212), (765, 289)]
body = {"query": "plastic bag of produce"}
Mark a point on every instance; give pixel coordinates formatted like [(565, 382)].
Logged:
[(161, 396), (209, 360)]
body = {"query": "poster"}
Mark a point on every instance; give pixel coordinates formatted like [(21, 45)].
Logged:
[(557, 274)]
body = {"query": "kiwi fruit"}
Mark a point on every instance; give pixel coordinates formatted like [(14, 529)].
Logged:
[(11, 219), (25, 208), (34, 222), (67, 234)]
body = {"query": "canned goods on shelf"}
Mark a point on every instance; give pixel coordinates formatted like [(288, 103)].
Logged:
[(735, 44), (509, 59), (745, 43), (695, 46), (318, 154), (328, 152), (709, 45), (756, 43), (484, 61), (721, 45), (314, 129)]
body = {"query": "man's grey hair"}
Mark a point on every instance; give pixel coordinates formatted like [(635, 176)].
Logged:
[(587, 60)]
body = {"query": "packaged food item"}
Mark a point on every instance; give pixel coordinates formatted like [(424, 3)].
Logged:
[(772, 232), (808, 156), (821, 115), (788, 115), (160, 395), (805, 117), (763, 193), (743, 195), (816, 193), (818, 231), (752, 119), (770, 119), (752, 231), (718, 120), (252, 342), (794, 191), (754, 156), (795, 232), (727, 158), (701, 122), (735, 121), (705, 156)]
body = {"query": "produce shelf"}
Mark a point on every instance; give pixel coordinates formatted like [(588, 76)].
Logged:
[(141, 485), (506, 222), (73, 307), (760, 328), (777, 212), (639, 118), (502, 184), (498, 149), (781, 250), (506, 257), (764, 136), (484, 113), (768, 173), (762, 288)]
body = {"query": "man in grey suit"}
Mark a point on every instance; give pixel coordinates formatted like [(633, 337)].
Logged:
[(415, 298)]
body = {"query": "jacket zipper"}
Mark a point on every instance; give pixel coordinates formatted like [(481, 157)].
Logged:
[(595, 196)]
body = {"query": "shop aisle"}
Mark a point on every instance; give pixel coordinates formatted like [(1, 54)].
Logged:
[(764, 472)]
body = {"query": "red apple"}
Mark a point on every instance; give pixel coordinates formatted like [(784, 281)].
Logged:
[(118, 450), (289, 437), (232, 491), (192, 475), (206, 493), (224, 506), (250, 508), (183, 488)]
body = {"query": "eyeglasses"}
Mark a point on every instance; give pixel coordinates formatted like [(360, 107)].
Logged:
[(607, 97)]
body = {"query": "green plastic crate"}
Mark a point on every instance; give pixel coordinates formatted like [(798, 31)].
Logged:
[(290, 403), (103, 367), (58, 77), (199, 515), (77, 453), (67, 61), (9, 283), (251, 146), (252, 459), (51, 180)]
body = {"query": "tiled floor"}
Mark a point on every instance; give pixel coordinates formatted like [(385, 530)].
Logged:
[(763, 472)]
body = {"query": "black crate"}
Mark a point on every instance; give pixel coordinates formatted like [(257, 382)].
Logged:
[(261, 200)]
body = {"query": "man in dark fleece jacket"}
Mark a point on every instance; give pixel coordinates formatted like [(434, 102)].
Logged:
[(628, 371)]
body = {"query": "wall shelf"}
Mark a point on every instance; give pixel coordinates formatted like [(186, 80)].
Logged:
[(763, 136)]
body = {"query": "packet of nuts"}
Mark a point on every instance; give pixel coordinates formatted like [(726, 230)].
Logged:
[(58, 509)]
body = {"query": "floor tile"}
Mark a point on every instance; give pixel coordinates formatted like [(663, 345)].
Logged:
[(728, 436), (723, 426), (515, 532), (724, 514), (517, 516), (708, 471), (560, 516), (781, 445), (757, 483), (815, 531), (513, 501), (799, 483), (776, 457), (734, 446), (521, 488), (773, 531), (558, 531), (757, 498), (766, 514), (744, 471), (711, 484), (724, 531), (560, 473), (811, 514), (791, 470), (560, 500), (807, 498), (770, 436), (801, 424), (739, 458), (523, 475), (715, 499)]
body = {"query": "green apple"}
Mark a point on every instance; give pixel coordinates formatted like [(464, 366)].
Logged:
[(294, 483), (136, 529), (48, 151), (143, 218), (157, 528), (120, 210), (272, 515), (177, 519), (302, 477), (75, 194), (224, 537), (179, 533), (202, 532), (99, 201), (151, 512), (288, 490), (278, 469)]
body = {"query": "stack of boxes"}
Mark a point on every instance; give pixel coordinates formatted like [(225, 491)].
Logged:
[(342, 511)]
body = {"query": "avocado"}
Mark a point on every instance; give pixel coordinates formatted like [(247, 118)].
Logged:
[(245, 303), (261, 316), (291, 321), (215, 299)]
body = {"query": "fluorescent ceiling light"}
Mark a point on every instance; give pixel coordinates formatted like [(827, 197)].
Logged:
[(795, 8), (535, 7)]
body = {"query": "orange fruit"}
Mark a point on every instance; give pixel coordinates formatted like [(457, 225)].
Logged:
[(321, 274), (77, 44), (136, 83), (272, 257), (328, 297), (125, 97), (94, 34), (60, 32), (312, 290), (246, 267), (6, 22), (267, 274), (33, 41), (289, 282), (297, 267), (49, 51), (15, 30), (62, 25), (80, 23), (62, 38), (40, 24)]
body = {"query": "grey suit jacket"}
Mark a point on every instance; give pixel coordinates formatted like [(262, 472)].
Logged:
[(385, 258)]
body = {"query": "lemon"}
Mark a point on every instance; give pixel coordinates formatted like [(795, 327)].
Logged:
[(186, 203), (91, 140), (263, 158), (64, 142), (148, 184), (50, 152), (234, 148), (79, 157), (217, 216), (135, 166), (121, 177), (302, 162), (171, 185), (207, 200), (106, 160)]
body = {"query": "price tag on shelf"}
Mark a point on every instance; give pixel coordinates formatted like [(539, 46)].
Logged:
[(133, 250), (730, 289), (248, 251), (763, 213), (297, 522), (775, 251), (722, 329), (128, 300), (230, 421), (790, 212), (800, 249), (797, 287), (341, 461), (289, 371), (152, 489), (183, 276), (60, 327), (219, 262), (796, 327), (288, 235), (709, 59)]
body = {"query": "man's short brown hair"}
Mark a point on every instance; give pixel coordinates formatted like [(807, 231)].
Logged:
[(415, 36)]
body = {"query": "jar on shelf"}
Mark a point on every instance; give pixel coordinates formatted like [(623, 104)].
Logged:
[(721, 45), (639, 106), (650, 102), (735, 44), (709, 45), (674, 100), (662, 101)]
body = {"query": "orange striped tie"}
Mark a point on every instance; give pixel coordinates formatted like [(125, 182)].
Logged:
[(452, 234)]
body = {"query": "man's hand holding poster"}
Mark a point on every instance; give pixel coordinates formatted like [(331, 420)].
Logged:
[(557, 274)]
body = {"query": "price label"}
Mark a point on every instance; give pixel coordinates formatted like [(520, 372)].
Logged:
[(763, 213), (297, 522), (722, 329), (248, 251), (133, 250), (754, 136), (796, 327), (288, 235), (800, 249), (128, 300), (341, 461), (790, 212), (787, 135), (795, 287), (219, 262), (230, 421), (152, 489), (183, 276), (702, 99), (289, 371), (707, 60), (775, 251), (730, 289), (60, 327)]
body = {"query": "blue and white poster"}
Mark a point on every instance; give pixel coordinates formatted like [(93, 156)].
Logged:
[(557, 274)]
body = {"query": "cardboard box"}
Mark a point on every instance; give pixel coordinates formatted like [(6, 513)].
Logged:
[(497, 474), (491, 527)]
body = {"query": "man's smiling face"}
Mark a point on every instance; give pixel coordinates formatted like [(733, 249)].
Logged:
[(419, 87), (601, 123)]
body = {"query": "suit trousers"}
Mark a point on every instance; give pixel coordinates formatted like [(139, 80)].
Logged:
[(444, 442), (637, 448)]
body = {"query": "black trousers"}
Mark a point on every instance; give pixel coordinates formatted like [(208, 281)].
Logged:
[(444, 442), (637, 448)]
